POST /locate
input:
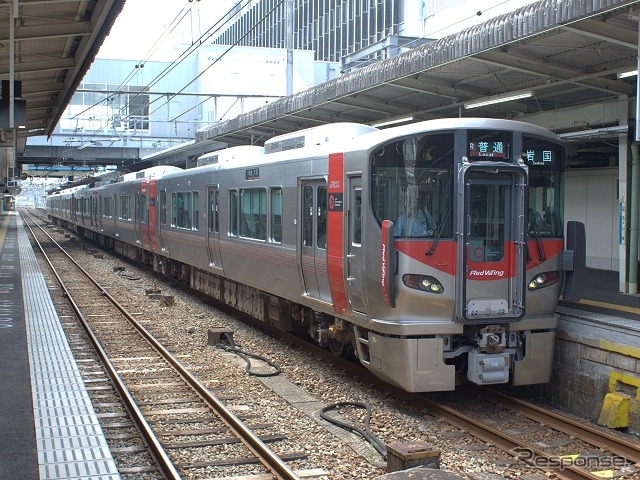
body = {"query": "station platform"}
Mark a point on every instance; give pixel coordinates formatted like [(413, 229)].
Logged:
[(48, 424), (602, 296)]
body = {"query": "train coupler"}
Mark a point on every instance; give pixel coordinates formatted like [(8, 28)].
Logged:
[(488, 368)]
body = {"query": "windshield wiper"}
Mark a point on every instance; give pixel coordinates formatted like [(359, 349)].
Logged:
[(537, 220), (436, 239)]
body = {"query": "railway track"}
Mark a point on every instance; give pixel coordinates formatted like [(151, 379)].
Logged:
[(554, 444), (532, 436), (182, 425), (528, 440)]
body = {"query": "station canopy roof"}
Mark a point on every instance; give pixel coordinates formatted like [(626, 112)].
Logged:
[(55, 42), (561, 58)]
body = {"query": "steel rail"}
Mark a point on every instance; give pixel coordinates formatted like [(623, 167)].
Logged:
[(168, 470), (266, 456), (538, 458), (478, 429), (596, 437)]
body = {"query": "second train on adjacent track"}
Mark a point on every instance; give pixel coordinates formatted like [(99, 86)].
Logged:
[(435, 250)]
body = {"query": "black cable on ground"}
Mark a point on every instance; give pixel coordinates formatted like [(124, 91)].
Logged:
[(229, 346), (128, 277), (366, 433)]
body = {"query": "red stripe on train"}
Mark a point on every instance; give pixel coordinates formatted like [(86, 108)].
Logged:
[(335, 232)]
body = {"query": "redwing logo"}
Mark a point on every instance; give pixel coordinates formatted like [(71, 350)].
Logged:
[(486, 273)]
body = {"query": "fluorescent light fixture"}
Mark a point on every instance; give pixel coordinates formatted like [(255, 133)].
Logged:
[(507, 97), (595, 133), (392, 121), (630, 73)]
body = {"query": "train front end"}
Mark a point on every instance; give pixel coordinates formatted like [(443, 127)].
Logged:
[(471, 259)]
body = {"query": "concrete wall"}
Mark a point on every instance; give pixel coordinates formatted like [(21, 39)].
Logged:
[(598, 211), (595, 356)]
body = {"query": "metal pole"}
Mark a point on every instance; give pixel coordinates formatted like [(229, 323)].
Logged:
[(623, 165), (634, 204), (633, 219), (13, 14)]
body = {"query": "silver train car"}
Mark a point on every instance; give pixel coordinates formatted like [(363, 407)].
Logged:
[(434, 250)]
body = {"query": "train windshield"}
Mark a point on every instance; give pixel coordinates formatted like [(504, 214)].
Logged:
[(411, 180), (546, 164)]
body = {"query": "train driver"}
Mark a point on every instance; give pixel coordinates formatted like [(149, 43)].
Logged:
[(415, 222)]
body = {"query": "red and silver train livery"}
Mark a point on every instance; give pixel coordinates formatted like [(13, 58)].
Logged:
[(435, 250)]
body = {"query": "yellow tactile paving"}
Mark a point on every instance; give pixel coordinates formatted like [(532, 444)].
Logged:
[(611, 306)]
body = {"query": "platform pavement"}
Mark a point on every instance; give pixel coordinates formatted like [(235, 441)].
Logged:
[(48, 427)]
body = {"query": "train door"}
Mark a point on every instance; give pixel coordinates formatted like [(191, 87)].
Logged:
[(142, 214), (213, 226), (152, 220), (162, 223), (314, 239), (136, 217), (98, 213), (355, 285), (92, 211), (84, 209), (116, 213), (491, 270)]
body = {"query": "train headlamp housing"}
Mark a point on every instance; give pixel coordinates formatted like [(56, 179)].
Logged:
[(426, 283), (542, 280)]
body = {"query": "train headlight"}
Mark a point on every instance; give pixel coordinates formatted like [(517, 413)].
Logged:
[(426, 283), (542, 280)]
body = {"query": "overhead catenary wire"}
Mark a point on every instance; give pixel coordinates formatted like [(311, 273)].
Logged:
[(211, 31), (220, 58), (238, 7), (156, 45), (181, 15), (417, 41)]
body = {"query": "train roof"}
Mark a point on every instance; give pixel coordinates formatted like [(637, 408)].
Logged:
[(346, 136), (317, 136), (229, 154), (156, 171), (323, 139), (456, 123), (68, 190)]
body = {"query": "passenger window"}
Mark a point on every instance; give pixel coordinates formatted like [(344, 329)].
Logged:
[(307, 216), (357, 216), (183, 210), (213, 198), (195, 196), (321, 239), (253, 213), (163, 208), (124, 207), (276, 215), (144, 207), (233, 213), (174, 210)]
